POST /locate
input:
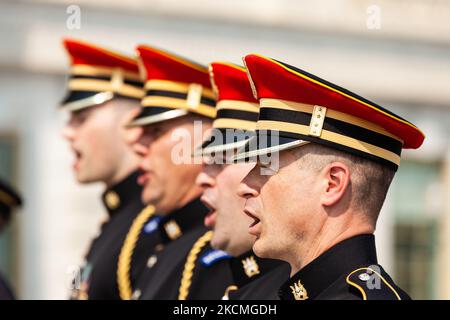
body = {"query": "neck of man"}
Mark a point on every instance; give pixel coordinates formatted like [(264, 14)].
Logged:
[(240, 245), (236, 252), (328, 236), (168, 206), (127, 165)]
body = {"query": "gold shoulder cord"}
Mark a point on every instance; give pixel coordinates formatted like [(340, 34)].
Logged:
[(188, 271), (226, 295), (124, 262)]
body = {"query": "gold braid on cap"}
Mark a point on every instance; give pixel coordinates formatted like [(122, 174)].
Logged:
[(188, 272), (124, 262)]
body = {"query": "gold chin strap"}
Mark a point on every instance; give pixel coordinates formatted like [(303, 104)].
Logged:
[(188, 272), (124, 263)]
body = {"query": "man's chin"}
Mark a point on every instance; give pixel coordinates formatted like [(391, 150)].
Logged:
[(260, 249), (217, 243), (149, 198), (83, 178)]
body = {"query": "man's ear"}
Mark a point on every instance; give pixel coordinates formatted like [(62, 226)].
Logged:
[(337, 180), (130, 134)]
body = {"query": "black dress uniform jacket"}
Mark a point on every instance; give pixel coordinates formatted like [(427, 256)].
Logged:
[(347, 271), (210, 280), (256, 278), (99, 273), (185, 239)]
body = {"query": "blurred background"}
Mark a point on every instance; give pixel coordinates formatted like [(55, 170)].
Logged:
[(396, 53)]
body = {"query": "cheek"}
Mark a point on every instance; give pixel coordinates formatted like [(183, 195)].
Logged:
[(227, 197), (105, 145), (227, 187), (159, 158), (227, 184), (89, 139), (277, 200), (273, 194)]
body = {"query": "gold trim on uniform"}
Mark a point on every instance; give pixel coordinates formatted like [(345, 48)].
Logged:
[(363, 293), (238, 105), (226, 123), (173, 230), (252, 84), (194, 95), (126, 252), (317, 120), (226, 295), (86, 70), (324, 134), (105, 85), (331, 136), (298, 291), (339, 92), (337, 115), (188, 271), (180, 87), (251, 267), (112, 200), (175, 103), (214, 86)]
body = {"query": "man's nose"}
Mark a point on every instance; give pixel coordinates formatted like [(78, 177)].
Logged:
[(245, 191), (133, 134), (68, 133), (140, 149), (204, 180)]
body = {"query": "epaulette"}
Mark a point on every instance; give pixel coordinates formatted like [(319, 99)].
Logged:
[(373, 283)]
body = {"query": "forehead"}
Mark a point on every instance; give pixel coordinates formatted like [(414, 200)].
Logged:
[(85, 112), (166, 125)]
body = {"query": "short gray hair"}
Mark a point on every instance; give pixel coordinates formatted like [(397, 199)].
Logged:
[(369, 180)]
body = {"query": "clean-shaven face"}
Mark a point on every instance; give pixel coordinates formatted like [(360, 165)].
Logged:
[(226, 216), (282, 205), (96, 138), (165, 181)]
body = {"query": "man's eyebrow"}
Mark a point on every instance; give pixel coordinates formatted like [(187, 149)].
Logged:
[(80, 112)]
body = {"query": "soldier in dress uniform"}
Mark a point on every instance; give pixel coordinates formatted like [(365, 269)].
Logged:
[(338, 154), (177, 110), (104, 92), (9, 200), (235, 122)]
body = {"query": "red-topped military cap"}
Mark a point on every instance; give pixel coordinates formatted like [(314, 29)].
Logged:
[(300, 107), (174, 87), (98, 75), (237, 108)]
